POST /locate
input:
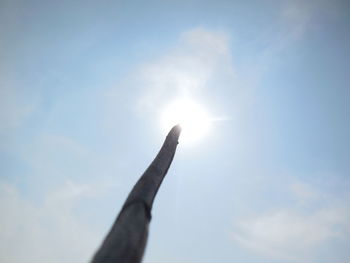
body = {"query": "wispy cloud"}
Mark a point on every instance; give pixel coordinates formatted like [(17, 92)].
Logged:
[(295, 234), (200, 61), (48, 232), (42, 219), (295, 20), (299, 16)]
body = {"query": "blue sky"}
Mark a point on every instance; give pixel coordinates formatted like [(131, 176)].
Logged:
[(82, 88)]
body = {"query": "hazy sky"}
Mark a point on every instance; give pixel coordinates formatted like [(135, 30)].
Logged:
[(83, 85)]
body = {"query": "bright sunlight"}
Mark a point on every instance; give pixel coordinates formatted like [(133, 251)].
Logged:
[(193, 119)]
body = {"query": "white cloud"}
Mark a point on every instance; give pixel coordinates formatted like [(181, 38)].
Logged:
[(295, 234), (70, 191), (201, 60), (303, 193), (51, 228), (49, 232)]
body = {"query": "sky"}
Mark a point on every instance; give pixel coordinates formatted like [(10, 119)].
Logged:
[(83, 85)]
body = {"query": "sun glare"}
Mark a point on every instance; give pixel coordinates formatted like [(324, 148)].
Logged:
[(192, 118)]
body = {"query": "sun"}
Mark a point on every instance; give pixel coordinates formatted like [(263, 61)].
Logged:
[(191, 116)]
